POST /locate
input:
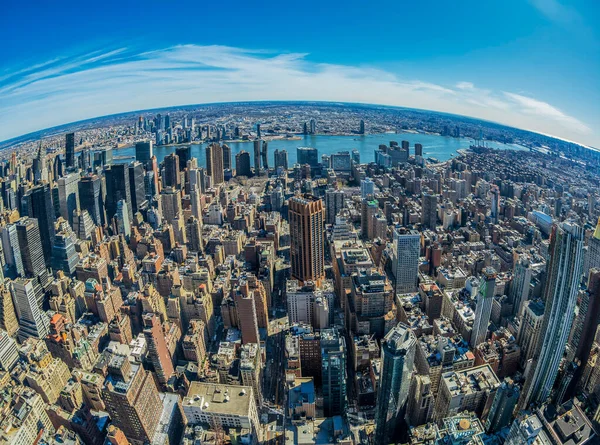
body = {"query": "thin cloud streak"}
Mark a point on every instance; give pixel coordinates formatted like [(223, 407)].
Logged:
[(122, 80)]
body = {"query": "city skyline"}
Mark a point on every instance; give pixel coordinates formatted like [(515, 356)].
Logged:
[(488, 79)]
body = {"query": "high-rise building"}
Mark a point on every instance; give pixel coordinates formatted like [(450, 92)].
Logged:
[(68, 195), (12, 252), (313, 126), (333, 374), (521, 281), (334, 202), (171, 176), (64, 255), (33, 322), (137, 187), (265, 155), (560, 295), (495, 204), (117, 188), (214, 163), (367, 188), (70, 150), (122, 219), (8, 316), (158, 353), (429, 211), (307, 155), (397, 363), (483, 308), (418, 150), (91, 199), (407, 248), (9, 353), (501, 412), (530, 327), (242, 164), (184, 154), (132, 399), (281, 159), (257, 144), (171, 204), (144, 152), (592, 257), (226, 157), (39, 206), (32, 252), (306, 216), (361, 127), (246, 310)]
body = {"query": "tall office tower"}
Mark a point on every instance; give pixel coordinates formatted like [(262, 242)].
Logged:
[(367, 188), (70, 150), (132, 399), (258, 131), (483, 310), (429, 211), (307, 155), (117, 188), (33, 322), (313, 126), (91, 199), (9, 354), (158, 351), (171, 176), (171, 204), (560, 294), (167, 122), (306, 216), (397, 362), (136, 186), (334, 202), (184, 154), (495, 204), (519, 286), (587, 319), (214, 163), (122, 218), (68, 195), (418, 150), (592, 259), (530, 327), (281, 159), (196, 203), (12, 252), (32, 252), (361, 127), (257, 144), (193, 230), (143, 152), (501, 412), (226, 157), (247, 317), (242, 164), (64, 255), (407, 248), (8, 316), (265, 155), (333, 372), (305, 129), (39, 206)]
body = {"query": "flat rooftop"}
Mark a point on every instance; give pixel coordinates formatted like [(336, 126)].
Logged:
[(220, 399)]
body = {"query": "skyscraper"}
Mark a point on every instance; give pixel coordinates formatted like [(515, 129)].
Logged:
[(429, 211), (495, 204), (505, 400), (257, 144), (367, 188), (39, 206), (242, 164), (68, 195), (117, 188), (519, 286), (333, 372), (226, 157), (70, 150), (265, 155), (483, 310), (560, 295), (64, 255), (407, 248), (418, 150), (91, 199), (184, 154), (307, 155), (306, 217), (32, 253), (592, 259), (246, 310), (397, 362), (132, 399), (144, 152), (171, 176), (33, 322), (334, 202), (214, 163), (158, 353), (136, 186), (281, 159)]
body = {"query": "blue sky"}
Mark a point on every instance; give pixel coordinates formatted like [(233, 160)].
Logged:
[(534, 64)]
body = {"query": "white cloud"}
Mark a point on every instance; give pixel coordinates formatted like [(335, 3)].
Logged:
[(121, 80)]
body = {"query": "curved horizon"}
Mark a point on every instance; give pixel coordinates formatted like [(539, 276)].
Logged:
[(98, 84)]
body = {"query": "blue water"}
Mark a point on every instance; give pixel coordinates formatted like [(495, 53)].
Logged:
[(439, 147)]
